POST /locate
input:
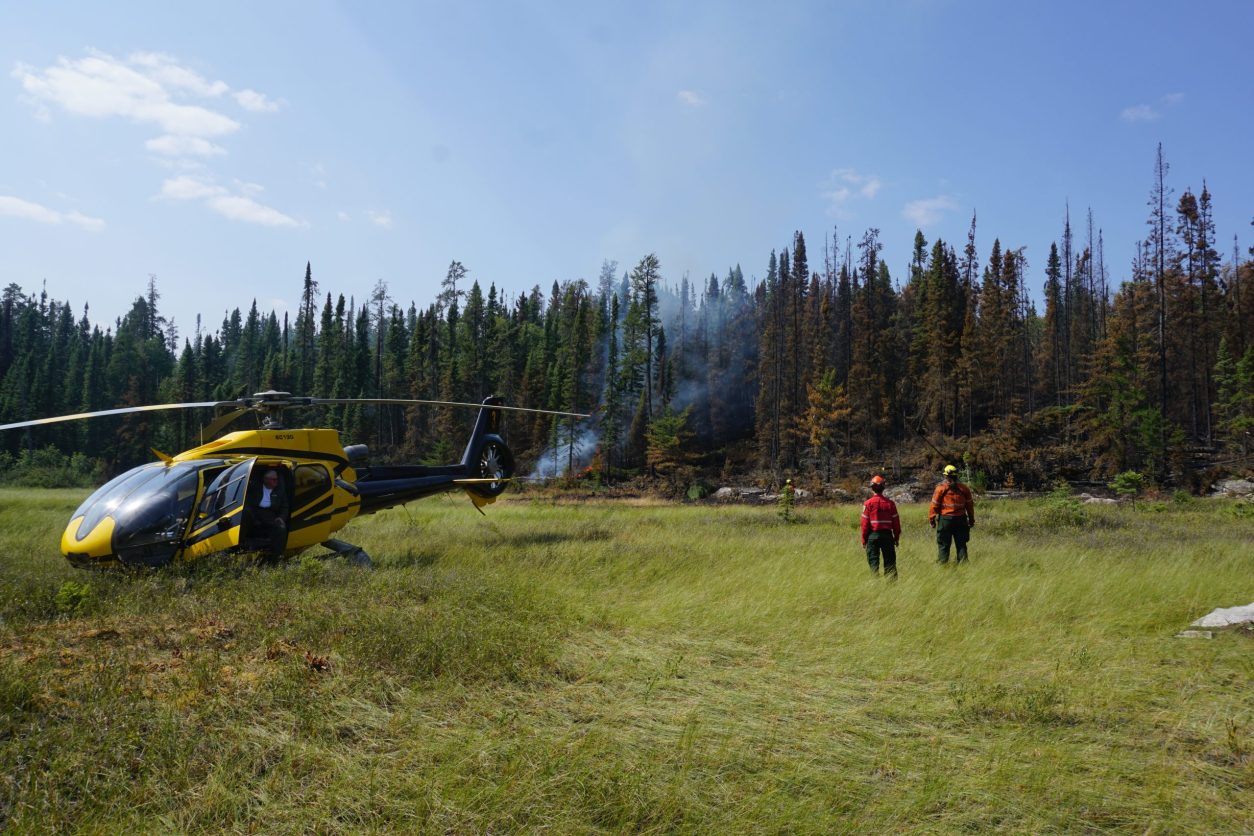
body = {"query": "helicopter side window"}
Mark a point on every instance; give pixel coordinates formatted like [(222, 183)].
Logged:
[(226, 492), (232, 494), (312, 481)]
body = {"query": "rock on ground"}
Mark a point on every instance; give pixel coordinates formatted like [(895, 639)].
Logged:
[(1229, 617), (907, 493), (730, 494), (1235, 487)]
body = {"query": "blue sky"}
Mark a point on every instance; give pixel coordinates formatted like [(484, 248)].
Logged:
[(221, 146)]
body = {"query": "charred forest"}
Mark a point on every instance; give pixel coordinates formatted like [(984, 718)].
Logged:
[(825, 366)]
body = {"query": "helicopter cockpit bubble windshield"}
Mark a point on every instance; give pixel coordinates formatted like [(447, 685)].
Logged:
[(149, 508)]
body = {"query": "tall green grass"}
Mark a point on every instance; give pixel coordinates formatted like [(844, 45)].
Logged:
[(634, 667)]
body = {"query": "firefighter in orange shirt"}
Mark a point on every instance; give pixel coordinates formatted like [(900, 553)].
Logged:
[(952, 515), (881, 529)]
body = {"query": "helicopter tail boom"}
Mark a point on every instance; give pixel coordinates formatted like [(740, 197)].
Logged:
[(485, 469)]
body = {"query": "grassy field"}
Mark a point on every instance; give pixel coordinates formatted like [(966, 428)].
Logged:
[(633, 667)]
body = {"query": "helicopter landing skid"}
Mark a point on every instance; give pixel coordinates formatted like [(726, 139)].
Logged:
[(354, 555)]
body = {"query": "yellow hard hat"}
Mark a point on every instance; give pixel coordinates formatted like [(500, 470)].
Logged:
[(950, 470)]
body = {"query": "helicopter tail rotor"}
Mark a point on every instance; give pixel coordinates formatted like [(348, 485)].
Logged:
[(487, 458)]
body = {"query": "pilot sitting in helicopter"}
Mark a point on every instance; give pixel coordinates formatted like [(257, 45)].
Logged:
[(266, 510)]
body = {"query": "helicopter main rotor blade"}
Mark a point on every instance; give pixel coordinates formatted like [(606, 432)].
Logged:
[(218, 424), (317, 401), (123, 411)]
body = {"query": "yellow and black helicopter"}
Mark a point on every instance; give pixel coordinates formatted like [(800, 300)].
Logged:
[(191, 505)]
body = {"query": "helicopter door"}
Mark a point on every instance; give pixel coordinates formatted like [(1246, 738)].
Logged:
[(221, 511)]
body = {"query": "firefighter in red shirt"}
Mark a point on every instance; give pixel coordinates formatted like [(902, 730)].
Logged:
[(881, 529)]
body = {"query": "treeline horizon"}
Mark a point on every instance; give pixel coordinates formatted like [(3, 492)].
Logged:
[(825, 366)]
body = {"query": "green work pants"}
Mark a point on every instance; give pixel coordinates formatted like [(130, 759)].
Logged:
[(877, 543), (955, 529)]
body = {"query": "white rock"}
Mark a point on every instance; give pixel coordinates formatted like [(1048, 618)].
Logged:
[(800, 493), (1226, 617), (1100, 500), (751, 491), (903, 493), (1234, 487), (725, 493)]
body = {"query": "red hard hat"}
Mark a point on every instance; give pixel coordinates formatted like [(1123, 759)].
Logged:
[(877, 479)]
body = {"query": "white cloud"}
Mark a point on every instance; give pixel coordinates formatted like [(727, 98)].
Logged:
[(149, 88), (1149, 113), (868, 185), (153, 88), (1139, 113), (236, 207), (843, 184), (691, 98), (927, 211), (838, 195), (166, 70), (249, 211), (15, 207), (186, 187), (183, 146), (101, 86), (88, 223), (383, 219), (256, 102), (343, 216)]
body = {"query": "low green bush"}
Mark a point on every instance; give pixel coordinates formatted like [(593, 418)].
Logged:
[(71, 597), (48, 467), (1063, 510)]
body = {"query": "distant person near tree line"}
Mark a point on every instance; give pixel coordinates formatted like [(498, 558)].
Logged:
[(952, 515), (881, 529)]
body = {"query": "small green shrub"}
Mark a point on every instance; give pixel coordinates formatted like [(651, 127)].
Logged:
[(786, 503), (71, 597), (1043, 703), (1128, 484), (1062, 510), (310, 567)]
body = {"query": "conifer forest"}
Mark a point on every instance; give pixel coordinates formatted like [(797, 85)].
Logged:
[(818, 363)]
